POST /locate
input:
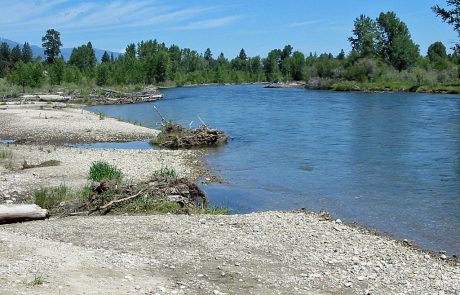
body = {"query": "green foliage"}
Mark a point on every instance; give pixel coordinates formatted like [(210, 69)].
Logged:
[(102, 74), (101, 170), (49, 198), (452, 17), (84, 58), (56, 72), (366, 39), (6, 154), (52, 44), (27, 75), (166, 172), (26, 53), (37, 281), (397, 46), (16, 54), (105, 57), (5, 59)]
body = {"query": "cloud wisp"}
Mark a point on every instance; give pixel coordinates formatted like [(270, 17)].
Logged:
[(107, 15)]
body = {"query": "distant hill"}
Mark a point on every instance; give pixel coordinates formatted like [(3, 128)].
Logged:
[(38, 51)]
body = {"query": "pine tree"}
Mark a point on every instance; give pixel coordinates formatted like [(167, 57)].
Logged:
[(26, 53), (52, 44)]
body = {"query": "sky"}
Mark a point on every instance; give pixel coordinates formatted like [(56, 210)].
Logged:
[(223, 26)]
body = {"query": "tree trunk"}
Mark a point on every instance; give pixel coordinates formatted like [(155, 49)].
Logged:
[(20, 213)]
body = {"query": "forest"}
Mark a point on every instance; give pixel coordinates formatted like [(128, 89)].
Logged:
[(383, 56)]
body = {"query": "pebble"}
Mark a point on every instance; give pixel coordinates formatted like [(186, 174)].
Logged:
[(443, 257), (348, 284)]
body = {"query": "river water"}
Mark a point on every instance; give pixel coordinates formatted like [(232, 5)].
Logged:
[(389, 161)]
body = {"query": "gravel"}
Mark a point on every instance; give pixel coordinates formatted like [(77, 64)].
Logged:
[(259, 253), (56, 124)]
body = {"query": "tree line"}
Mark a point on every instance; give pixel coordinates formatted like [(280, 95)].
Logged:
[(381, 50)]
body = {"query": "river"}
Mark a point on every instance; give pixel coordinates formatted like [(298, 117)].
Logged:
[(389, 161)]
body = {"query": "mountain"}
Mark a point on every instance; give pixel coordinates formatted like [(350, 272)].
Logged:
[(39, 51)]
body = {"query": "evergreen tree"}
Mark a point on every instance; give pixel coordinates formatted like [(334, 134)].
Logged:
[(341, 55), (105, 57), (208, 55), (52, 44), (84, 58), (5, 59), (26, 53), (16, 55), (452, 17), (242, 55)]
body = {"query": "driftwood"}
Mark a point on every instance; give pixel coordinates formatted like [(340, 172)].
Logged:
[(174, 136), (107, 207), (21, 213), (108, 196)]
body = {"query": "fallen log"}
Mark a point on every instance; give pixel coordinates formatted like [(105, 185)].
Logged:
[(21, 213)]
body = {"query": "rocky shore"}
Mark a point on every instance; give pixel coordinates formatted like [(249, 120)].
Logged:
[(260, 253)]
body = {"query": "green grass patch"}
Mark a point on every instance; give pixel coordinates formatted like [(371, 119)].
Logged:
[(166, 172), (9, 165), (147, 204), (6, 154), (49, 198), (37, 281), (101, 170)]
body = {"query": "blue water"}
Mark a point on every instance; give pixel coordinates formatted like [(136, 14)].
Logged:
[(390, 161)]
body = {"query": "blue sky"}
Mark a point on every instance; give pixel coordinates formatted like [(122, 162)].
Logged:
[(224, 26)]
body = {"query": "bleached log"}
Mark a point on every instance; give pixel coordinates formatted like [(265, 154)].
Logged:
[(20, 213)]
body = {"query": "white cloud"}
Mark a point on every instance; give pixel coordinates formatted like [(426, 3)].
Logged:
[(108, 15), (304, 23), (207, 24)]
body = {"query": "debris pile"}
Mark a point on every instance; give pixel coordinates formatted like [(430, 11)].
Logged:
[(175, 136), (110, 195)]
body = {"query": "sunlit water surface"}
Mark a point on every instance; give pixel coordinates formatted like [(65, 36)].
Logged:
[(390, 161)]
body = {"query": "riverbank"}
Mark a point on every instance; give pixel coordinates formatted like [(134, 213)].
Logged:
[(60, 123), (263, 253), (330, 84)]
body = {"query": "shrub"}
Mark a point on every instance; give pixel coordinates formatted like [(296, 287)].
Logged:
[(101, 170)]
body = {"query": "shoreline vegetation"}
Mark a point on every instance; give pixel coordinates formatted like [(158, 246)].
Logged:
[(383, 57)]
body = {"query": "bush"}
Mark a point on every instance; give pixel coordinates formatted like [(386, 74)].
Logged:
[(101, 170)]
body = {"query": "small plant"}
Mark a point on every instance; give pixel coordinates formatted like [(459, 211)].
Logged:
[(37, 281), (101, 116), (166, 172), (9, 165), (101, 170), (51, 197), (6, 154)]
